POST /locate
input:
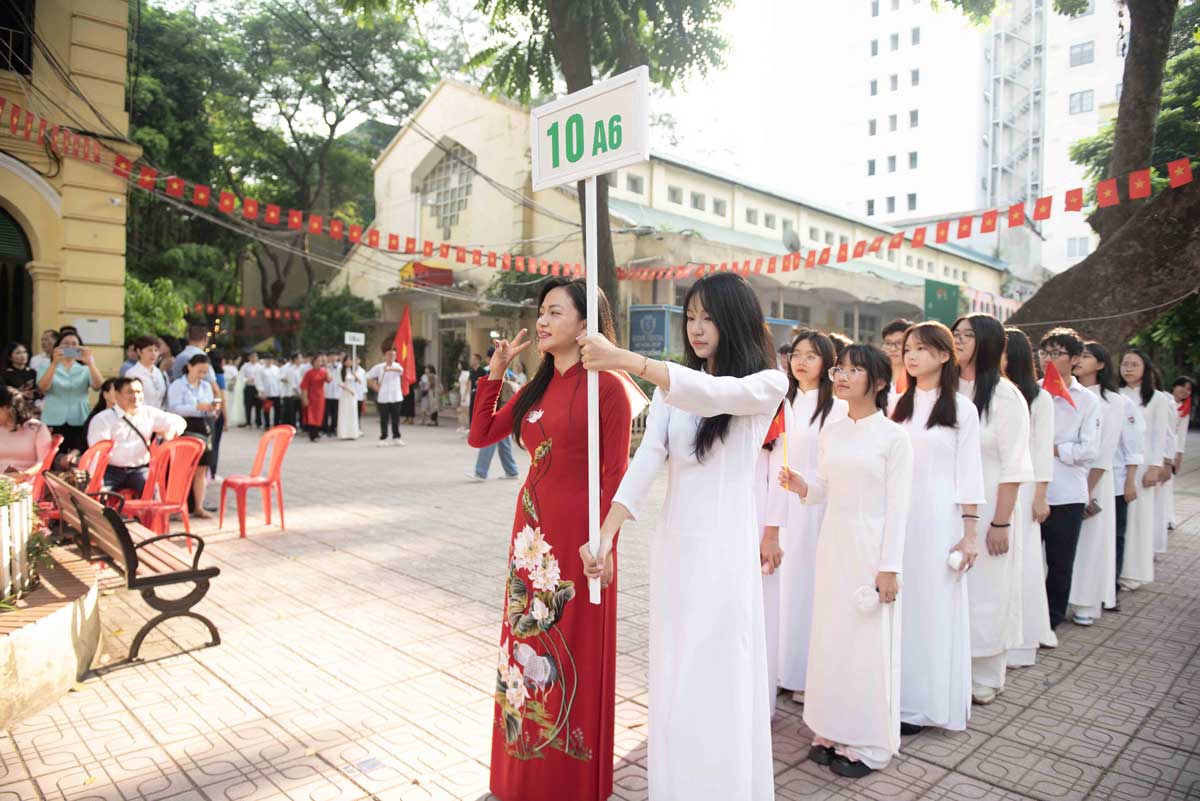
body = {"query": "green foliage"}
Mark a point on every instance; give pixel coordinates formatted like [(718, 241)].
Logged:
[(981, 11), (153, 308), (1172, 338), (328, 316)]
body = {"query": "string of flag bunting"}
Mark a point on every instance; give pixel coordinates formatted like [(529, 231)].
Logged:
[(67, 143), (250, 312)]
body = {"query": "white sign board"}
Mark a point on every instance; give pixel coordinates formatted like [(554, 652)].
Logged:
[(592, 131), (355, 338)]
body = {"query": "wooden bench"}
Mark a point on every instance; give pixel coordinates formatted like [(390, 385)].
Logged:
[(145, 559)]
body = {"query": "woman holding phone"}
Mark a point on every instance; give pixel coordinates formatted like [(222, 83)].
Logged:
[(65, 382)]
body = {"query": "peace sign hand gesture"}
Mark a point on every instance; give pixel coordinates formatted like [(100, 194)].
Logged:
[(505, 352)]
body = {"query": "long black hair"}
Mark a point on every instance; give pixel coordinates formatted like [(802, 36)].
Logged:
[(877, 366), (532, 392), (823, 345), (945, 409), (22, 411), (1104, 376), (1148, 385), (744, 346), (1019, 367), (990, 344)]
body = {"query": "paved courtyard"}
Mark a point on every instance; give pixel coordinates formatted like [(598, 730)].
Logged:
[(358, 660)]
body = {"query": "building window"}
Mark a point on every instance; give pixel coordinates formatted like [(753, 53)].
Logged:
[(1084, 53), (719, 207), (611, 179), (915, 77), (1082, 102), (912, 159), (891, 205), (874, 47), (964, 276), (635, 184), (908, 261), (446, 190), (870, 166), (891, 163), (788, 225), (894, 82), (945, 271), (675, 194), (829, 237), (891, 122), (801, 314), (870, 208), (955, 273), (769, 221), (1077, 247), (16, 45), (912, 201), (892, 256), (916, 35), (843, 240), (752, 216), (870, 127), (894, 41), (874, 8), (921, 265), (698, 201), (874, 88), (914, 118), (814, 234)]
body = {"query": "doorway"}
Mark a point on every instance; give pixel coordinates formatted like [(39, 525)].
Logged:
[(16, 285)]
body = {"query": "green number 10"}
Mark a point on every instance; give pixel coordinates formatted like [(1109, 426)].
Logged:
[(574, 138)]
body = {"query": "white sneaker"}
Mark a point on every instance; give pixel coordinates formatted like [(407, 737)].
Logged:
[(1083, 620), (510, 478), (983, 695), (476, 476), (398, 443), (383, 443)]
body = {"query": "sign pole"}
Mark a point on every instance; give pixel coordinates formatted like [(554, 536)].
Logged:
[(593, 380)]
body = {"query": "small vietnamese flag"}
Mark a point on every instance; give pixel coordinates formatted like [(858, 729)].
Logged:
[(410, 244), (443, 251), (14, 119), (491, 258), (373, 238), (147, 178), (1185, 408), (876, 244), (860, 248), (427, 248), (785, 264), (1016, 215), (518, 264), (758, 265), (824, 256), (295, 219), (988, 223), (316, 223), (175, 186), (393, 242), (918, 238), (28, 124), (1106, 193), (122, 167), (942, 233), (557, 269), (896, 241), (1179, 172), (776, 428), (460, 255), (964, 227), (41, 134), (201, 195), (810, 260), (226, 201), (273, 214), (1056, 385), (843, 253), (335, 229), (1041, 209), (1139, 184), (770, 265), (355, 233), (476, 257), (1074, 199), (250, 209)]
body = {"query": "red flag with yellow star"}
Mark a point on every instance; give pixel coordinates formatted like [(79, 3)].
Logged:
[(1016, 215), (1075, 199), (1139, 184), (1106, 193), (1179, 172), (404, 351), (1041, 209), (1056, 385)]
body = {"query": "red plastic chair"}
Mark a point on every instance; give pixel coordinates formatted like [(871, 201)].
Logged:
[(277, 441), (95, 461), (171, 472), (37, 487)]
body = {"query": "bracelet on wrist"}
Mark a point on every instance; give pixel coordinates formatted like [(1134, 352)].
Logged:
[(970, 517), (645, 366), (1001, 525)]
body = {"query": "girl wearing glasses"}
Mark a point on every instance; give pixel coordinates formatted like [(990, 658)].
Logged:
[(1137, 384), (948, 489), (707, 422), (995, 593), (864, 477), (813, 406)]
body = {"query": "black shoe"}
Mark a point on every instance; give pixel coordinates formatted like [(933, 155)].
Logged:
[(848, 769), (821, 754), (908, 729)]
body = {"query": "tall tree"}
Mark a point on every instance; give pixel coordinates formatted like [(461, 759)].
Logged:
[(534, 41)]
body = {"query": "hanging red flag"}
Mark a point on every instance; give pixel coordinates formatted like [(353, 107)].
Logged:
[(226, 202), (491, 259), (1056, 385), (53, 132), (1179, 172), (771, 265), (147, 178), (41, 133), (200, 195), (122, 167), (964, 227), (558, 268), (443, 251), (14, 119), (860, 248), (393, 242), (942, 232), (211, 308), (253, 312), (918, 238), (410, 245), (316, 223), (810, 260), (824, 259), (843, 253), (1016, 215), (476, 257), (220, 308), (95, 151), (336, 227), (356, 234), (988, 222), (295, 220), (427, 248), (175, 186), (29, 124), (746, 267), (776, 428), (620, 274), (250, 209), (1041, 209), (758, 265), (1139, 184), (1106, 193), (785, 264), (1074, 199), (460, 255), (518, 264), (876, 244), (373, 238), (273, 214), (896, 241)]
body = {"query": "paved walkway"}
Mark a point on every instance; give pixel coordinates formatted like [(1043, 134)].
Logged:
[(359, 648)]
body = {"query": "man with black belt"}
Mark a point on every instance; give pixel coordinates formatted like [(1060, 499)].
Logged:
[(131, 425)]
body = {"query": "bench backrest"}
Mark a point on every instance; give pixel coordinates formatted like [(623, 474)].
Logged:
[(59, 489), (100, 525)]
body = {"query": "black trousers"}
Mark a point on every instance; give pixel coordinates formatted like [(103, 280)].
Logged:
[(389, 414), (288, 411), (331, 413), (252, 405), (273, 418), (1122, 510), (1060, 535)]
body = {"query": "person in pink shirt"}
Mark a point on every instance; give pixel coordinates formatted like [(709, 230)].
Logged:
[(24, 440)]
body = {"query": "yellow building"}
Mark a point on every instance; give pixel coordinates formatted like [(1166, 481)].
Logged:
[(62, 220)]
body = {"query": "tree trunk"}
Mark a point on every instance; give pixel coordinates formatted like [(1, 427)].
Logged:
[(1149, 40), (1147, 263)]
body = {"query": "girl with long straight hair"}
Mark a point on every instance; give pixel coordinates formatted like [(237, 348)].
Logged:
[(935, 686), (812, 406), (1137, 384), (995, 585), (864, 478), (1032, 507), (707, 422), (556, 675), (1094, 573)]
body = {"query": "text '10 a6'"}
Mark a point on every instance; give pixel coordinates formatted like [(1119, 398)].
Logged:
[(605, 137)]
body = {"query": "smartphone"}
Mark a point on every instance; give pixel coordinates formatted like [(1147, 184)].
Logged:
[(72, 353)]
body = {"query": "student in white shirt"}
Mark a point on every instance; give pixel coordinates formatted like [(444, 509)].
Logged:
[(248, 378), (289, 387), (131, 424), (892, 337), (464, 398), (154, 381), (333, 392), (386, 379), (1181, 391), (269, 390), (1077, 430)]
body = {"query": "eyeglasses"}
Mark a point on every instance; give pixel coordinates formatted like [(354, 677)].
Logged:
[(807, 358), (839, 372), (1052, 353), (963, 336), (891, 347)]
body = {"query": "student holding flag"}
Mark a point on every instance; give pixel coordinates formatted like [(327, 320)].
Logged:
[(1076, 445), (770, 504)]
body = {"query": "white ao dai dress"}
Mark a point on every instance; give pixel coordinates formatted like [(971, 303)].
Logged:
[(770, 501), (1138, 565)]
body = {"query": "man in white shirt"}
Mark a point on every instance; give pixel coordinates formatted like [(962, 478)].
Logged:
[(269, 390), (386, 379), (360, 379), (289, 386), (131, 424), (248, 375), (145, 369), (1077, 428), (44, 358), (333, 393)]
